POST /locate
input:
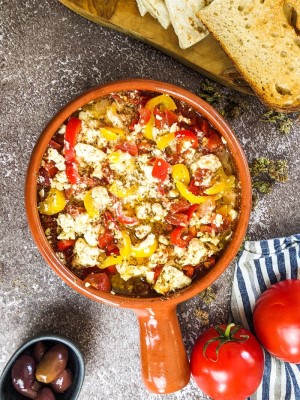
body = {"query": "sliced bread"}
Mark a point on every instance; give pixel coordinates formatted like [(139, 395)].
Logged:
[(262, 37)]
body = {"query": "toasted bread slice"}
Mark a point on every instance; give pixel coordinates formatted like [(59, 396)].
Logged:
[(262, 37)]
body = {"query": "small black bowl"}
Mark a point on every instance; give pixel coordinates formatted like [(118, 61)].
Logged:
[(75, 363)]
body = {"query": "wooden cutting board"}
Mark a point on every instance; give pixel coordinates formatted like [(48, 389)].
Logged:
[(206, 57)]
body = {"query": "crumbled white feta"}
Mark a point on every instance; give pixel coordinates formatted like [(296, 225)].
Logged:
[(124, 164), (67, 224), (85, 255), (100, 197), (89, 154), (208, 161), (127, 271), (195, 253), (58, 159), (142, 231), (158, 212), (143, 211), (60, 181), (114, 118), (218, 220), (171, 279)]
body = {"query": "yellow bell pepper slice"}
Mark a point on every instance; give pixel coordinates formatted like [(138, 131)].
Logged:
[(89, 205), (125, 252), (54, 202), (166, 101), (180, 173), (146, 248), (221, 186), (193, 199), (148, 133), (164, 141), (112, 133), (122, 192)]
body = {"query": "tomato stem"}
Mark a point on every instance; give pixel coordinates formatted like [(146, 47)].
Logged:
[(224, 337), (227, 331)]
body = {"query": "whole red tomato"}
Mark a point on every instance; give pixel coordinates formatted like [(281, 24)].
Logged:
[(276, 319), (227, 362)]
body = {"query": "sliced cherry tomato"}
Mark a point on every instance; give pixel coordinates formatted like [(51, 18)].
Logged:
[(184, 134), (122, 217), (108, 220), (127, 147), (188, 270), (72, 172), (132, 124), (51, 168), (145, 115), (106, 238), (65, 244), (112, 270), (209, 262), (204, 126), (178, 219), (176, 238), (193, 188), (161, 169), (99, 281), (144, 147), (213, 142), (206, 229), (227, 362), (276, 320), (164, 117), (112, 249), (72, 130), (179, 205)]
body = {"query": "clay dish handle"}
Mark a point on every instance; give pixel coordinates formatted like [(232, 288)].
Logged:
[(164, 363)]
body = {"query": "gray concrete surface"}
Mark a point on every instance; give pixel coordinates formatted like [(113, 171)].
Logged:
[(48, 54)]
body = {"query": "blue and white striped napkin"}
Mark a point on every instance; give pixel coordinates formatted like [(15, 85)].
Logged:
[(260, 265)]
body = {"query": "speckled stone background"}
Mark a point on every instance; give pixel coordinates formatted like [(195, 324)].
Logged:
[(48, 55)]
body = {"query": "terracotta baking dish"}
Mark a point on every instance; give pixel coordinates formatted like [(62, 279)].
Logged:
[(165, 367)]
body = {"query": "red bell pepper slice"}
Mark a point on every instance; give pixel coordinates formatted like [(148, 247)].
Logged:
[(127, 147), (191, 210), (72, 172), (123, 218), (176, 238), (65, 244), (72, 130), (184, 134), (161, 169)]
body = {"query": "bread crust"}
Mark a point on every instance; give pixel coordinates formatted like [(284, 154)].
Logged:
[(265, 32)]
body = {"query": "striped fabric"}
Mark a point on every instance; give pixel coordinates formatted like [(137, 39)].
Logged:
[(260, 265)]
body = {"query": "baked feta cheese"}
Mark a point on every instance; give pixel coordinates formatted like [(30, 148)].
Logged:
[(171, 279), (208, 161), (85, 255)]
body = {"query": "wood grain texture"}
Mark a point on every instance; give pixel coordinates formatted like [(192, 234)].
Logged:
[(206, 57)]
